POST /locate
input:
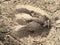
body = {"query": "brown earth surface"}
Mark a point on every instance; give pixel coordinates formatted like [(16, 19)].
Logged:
[(29, 22)]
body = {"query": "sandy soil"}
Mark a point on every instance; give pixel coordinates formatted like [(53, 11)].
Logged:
[(20, 22)]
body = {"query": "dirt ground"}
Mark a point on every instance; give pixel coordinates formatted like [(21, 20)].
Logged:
[(17, 27)]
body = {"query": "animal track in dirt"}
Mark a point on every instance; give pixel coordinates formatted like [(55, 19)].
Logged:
[(32, 28), (35, 21)]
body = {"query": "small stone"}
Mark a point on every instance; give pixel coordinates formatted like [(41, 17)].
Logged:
[(58, 22), (58, 25)]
